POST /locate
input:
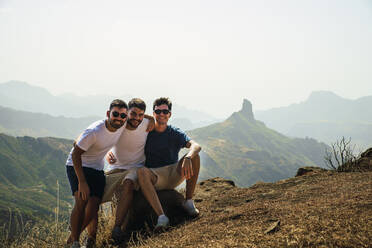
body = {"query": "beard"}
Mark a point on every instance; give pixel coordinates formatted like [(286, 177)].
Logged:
[(116, 123), (133, 123)]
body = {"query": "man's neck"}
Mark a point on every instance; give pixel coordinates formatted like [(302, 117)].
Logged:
[(160, 127), (129, 127)]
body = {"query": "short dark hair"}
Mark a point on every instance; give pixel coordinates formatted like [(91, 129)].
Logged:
[(161, 101), (137, 103), (118, 103)]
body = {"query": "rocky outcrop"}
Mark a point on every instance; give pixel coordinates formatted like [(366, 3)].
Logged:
[(247, 109), (364, 163), (308, 169)]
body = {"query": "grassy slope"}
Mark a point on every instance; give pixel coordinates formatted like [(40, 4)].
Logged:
[(29, 170), (318, 209), (325, 209)]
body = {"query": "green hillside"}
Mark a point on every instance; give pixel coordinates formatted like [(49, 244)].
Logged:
[(29, 171), (246, 151)]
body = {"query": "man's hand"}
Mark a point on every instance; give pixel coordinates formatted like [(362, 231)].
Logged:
[(83, 191), (110, 158), (151, 124), (186, 169)]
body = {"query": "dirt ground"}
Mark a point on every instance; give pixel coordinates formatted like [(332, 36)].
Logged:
[(318, 209)]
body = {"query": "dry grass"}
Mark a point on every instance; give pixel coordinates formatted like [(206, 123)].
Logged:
[(39, 235), (323, 209)]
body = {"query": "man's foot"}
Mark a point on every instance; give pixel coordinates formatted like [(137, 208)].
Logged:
[(163, 222), (75, 244), (117, 235), (190, 208), (90, 243)]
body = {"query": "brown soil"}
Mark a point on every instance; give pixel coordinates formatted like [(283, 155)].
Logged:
[(318, 209)]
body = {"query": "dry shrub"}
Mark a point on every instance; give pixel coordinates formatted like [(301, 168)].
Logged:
[(341, 157)]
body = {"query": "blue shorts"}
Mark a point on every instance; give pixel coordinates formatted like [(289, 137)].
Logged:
[(96, 180)]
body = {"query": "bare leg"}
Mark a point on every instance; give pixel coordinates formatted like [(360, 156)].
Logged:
[(147, 180), (125, 202), (91, 216), (77, 217), (91, 226), (191, 183)]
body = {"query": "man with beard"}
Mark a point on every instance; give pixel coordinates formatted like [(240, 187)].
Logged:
[(163, 169), (85, 165), (125, 158)]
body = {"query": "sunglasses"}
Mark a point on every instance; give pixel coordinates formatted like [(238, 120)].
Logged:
[(164, 111), (116, 114)]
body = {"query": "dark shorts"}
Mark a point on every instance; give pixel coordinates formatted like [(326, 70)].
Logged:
[(96, 180)]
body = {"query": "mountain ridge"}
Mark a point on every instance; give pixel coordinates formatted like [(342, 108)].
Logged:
[(253, 151), (344, 117), (23, 96)]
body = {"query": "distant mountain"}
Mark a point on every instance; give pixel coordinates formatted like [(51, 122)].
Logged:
[(22, 123), (23, 96), (331, 131), (245, 150), (29, 171), (324, 116)]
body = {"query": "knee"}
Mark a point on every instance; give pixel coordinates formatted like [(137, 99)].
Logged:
[(128, 185), (92, 208), (142, 173), (80, 204)]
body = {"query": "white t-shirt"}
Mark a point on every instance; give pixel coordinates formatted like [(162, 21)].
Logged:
[(96, 141), (129, 151)]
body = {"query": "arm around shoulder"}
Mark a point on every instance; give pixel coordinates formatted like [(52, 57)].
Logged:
[(151, 123)]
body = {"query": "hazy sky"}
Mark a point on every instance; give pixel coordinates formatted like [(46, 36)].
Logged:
[(206, 55)]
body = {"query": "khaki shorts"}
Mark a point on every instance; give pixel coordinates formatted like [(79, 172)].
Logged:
[(115, 178), (167, 177)]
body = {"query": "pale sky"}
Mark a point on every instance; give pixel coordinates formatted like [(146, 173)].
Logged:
[(205, 55)]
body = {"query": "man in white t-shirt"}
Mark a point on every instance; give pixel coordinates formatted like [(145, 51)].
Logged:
[(85, 164), (126, 156)]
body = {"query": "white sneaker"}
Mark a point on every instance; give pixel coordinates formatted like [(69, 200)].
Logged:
[(190, 208), (163, 222), (75, 244)]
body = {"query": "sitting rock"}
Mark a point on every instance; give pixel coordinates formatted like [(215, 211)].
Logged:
[(142, 216)]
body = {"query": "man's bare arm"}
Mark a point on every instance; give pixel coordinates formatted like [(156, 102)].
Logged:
[(151, 124), (186, 170), (83, 189)]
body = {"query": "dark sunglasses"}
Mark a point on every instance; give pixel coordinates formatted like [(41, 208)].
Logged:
[(158, 111), (116, 114)]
